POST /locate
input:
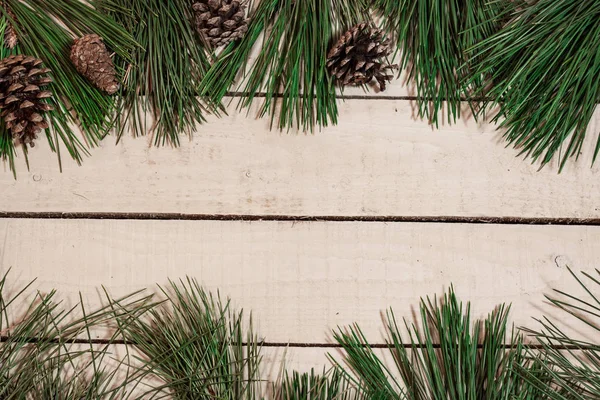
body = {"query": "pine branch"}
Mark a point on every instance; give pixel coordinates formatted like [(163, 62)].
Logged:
[(197, 346), (290, 67), (165, 72), (42, 29), (435, 39), (542, 70), (38, 359), (471, 361), (573, 363)]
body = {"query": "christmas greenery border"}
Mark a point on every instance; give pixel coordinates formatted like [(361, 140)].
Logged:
[(188, 344), (160, 67)]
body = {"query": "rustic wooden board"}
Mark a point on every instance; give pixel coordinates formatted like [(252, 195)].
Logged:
[(378, 161), (303, 279)]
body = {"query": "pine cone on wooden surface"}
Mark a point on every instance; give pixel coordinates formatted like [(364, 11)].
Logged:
[(220, 21), (92, 60), (358, 57), (22, 97)]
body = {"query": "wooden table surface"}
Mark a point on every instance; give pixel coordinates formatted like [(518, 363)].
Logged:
[(309, 231)]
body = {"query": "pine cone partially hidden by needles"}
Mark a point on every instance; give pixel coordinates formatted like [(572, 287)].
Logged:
[(358, 57), (220, 21), (10, 34), (92, 60), (22, 98)]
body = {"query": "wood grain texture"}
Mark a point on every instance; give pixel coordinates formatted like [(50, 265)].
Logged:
[(378, 161), (303, 279)]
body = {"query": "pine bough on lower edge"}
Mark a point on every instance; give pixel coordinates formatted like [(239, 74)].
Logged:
[(190, 345), (534, 62)]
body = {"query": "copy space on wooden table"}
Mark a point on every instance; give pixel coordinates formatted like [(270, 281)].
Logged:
[(379, 161), (303, 279)]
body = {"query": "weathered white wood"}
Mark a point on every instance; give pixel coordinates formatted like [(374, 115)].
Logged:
[(303, 279), (377, 161), (296, 359)]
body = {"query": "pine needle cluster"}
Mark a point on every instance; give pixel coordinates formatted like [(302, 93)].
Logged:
[(572, 363), (542, 73), (47, 352), (435, 39), (195, 345), (46, 29), (330, 385), (290, 70), (163, 72), (446, 356)]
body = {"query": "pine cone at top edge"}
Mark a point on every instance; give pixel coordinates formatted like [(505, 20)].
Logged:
[(220, 22), (359, 55), (22, 97), (92, 60)]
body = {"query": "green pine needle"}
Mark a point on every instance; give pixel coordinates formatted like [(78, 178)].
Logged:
[(543, 70), (46, 30), (330, 385), (574, 364), (435, 38), (290, 70), (449, 357), (196, 345), (166, 69), (38, 359)]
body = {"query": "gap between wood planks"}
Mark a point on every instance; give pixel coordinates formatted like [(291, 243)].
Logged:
[(299, 218), (32, 340), (364, 97)]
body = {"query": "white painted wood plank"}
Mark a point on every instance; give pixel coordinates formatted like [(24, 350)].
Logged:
[(377, 161), (296, 359), (303, 279)]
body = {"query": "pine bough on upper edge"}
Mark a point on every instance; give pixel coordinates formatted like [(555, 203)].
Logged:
[(149, 66)]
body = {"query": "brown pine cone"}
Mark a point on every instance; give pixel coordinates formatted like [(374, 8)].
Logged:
[(358, 57), (22, 98), (92, 60), (220, 21)]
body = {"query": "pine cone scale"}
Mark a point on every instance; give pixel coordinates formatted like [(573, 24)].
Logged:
[(220, 22)]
